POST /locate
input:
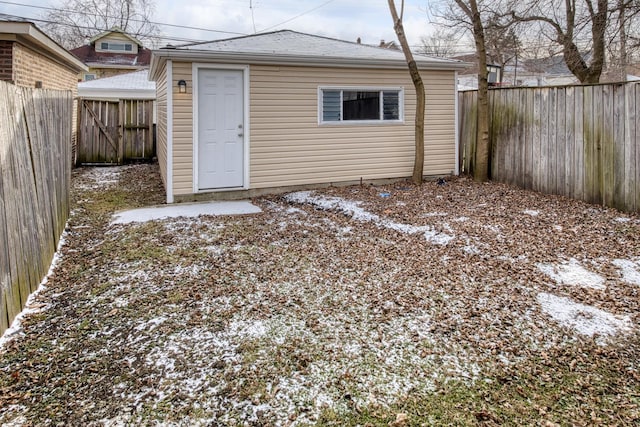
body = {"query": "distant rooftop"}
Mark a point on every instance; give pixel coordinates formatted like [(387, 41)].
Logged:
[(130, 85)]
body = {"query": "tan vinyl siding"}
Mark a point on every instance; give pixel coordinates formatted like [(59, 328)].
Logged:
[(288, 147), (161, 138), (182, 130)]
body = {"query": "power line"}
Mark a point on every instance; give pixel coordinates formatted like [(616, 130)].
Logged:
[(133, 20), (86, 27), (297, 16)]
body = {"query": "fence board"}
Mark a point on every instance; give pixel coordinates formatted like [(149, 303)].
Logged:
[(579, 141), (35, 153), (113, 132), (636, 126), (619, 170)]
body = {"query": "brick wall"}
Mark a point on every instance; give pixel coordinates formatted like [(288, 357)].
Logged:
[(30, 67), (6, 60)]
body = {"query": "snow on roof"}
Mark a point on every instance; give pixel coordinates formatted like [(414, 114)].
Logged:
[(286, 46), (130, 85)]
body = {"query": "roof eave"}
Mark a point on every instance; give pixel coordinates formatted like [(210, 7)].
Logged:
[(32, 34), (116, 66), (117, 93), (159, 56)]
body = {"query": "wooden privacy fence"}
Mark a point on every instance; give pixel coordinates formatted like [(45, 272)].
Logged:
[(578, 141), (114, 132), (35, 169)]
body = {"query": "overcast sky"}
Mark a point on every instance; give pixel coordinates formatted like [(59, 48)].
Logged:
[(344, 19)]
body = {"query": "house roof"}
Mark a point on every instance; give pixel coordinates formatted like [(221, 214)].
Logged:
[(294, 48), (25, 32), (89, 56), (114, 30), (134, 85)]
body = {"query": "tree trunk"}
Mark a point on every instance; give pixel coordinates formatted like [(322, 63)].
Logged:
[(418, 163), (481, 167)]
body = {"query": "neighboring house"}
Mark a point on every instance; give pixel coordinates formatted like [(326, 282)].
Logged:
[(28, 57), (284, 110), (134, 85), (111, 53)]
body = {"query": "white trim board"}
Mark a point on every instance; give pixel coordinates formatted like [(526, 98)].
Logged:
[(169, 131)]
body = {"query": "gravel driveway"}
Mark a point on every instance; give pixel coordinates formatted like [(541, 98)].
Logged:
[(460, 303)]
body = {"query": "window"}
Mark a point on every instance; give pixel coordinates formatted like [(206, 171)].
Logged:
[(360, 105), (127, 47), (88, 77)]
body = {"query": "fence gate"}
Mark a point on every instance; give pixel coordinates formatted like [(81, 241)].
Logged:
[(114, 132)]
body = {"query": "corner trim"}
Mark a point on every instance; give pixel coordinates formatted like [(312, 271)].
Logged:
[(456, 122), (169, 131)]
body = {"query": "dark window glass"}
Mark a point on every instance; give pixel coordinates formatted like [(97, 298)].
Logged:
[(391, 105), (360, 105)]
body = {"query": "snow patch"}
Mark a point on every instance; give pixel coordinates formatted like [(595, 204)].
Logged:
[(573, 274), (630, 270), (240, 207), (530, 212), (585, 319), (353, 209), (98, 178), (622, 219)]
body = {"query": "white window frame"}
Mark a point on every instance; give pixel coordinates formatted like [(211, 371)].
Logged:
[(341, 122), (111, 49)]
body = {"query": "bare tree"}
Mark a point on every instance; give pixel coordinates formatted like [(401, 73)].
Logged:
[(418, 164), (440, 44), (578, 26), (470, 16), (502, 43), (472, 12), (74, 22)]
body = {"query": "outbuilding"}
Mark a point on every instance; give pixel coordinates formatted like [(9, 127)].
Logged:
[(287, 110)]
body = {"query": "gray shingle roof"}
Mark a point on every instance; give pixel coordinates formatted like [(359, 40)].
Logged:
[(287, 45)]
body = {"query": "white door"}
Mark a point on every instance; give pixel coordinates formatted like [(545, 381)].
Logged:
[(220, 129)]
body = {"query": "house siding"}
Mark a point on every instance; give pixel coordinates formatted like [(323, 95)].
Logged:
[(182, 130), (161, 128), (118, 38), (30, 66), (288, 147)]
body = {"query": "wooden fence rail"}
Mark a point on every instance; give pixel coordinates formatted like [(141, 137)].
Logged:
[(35, 173), (578, 141)]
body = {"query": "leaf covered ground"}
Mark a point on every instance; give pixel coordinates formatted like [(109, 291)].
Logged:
[(396, 305)]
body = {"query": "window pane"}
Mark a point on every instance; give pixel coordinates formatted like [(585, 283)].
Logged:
[(391, 105), (128, 47), (360, 105), (104, 46), (330, 105)]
